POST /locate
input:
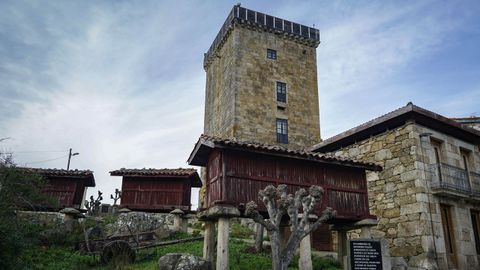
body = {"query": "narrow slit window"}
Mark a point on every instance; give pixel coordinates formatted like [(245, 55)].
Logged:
[(476, 229), (281, 92), (282, 130), (271, 54)]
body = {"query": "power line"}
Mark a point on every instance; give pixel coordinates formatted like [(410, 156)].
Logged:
[(40, 161), (40, 151)]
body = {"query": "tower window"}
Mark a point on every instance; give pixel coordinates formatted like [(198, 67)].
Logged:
[(281, 92), (282, 130), (271, 54)]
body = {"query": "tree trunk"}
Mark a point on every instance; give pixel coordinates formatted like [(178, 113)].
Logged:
[(275, 246)]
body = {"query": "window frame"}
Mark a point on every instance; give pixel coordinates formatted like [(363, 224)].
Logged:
[(475, 219), (282, 94), (282, 130), (271, 54)]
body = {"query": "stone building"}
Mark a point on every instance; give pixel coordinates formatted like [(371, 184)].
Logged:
[(473, 122), (262, 81), (427, 197)]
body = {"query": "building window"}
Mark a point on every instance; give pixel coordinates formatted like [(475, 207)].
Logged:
[(271, 54), (282, 130), (437, 155), (466, 162), (281, 92), (476, 229), (448, 234)]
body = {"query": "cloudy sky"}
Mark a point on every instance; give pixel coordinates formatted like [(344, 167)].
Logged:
[(122, 82)]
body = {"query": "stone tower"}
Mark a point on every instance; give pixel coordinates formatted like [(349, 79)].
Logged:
[(262, 81)]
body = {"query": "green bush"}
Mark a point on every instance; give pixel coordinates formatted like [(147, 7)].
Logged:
[(55, 259), (325, 263), (239, 231), (19, 190)]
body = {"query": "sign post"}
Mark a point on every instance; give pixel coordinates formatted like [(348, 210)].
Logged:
[(365, 254)]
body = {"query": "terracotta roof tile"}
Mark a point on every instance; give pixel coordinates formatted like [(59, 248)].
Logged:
[(87, 174), (394, 119), (275, 149), (154, 172)]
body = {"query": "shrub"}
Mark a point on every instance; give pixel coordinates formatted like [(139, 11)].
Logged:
[(325, 263), (239, 231)]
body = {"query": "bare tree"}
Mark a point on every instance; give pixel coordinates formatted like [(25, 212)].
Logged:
[(118, 195), (299, 208), (93, 206)]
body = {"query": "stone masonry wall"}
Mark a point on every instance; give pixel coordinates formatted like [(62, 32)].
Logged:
[(256, 100), (460, 208), (220, 91), (241, 89), (400, 197)]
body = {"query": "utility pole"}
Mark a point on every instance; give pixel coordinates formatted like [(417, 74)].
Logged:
[(70, 157)]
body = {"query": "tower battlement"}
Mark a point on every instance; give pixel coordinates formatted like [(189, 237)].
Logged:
[(240, 16)]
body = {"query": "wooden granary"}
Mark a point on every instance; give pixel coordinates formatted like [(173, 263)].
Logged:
[(66, 187), (237, 170), (157, 190)]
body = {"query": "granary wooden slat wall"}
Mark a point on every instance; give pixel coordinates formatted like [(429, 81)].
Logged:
[(63, 191), (152, 194), (235, 177)]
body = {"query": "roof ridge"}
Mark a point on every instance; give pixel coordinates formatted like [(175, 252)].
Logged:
[(276, 148)]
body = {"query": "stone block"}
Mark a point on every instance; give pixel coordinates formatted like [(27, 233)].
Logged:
[(412, 228), (399, 169), (392, 162), (409, 176), (418, 207), (383, 154), (391, 213), (372, 176)]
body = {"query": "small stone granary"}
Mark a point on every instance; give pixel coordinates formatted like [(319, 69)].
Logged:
[(157, 190), (67, 187)]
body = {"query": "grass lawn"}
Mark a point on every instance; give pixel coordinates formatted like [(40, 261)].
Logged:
[(240, 258)]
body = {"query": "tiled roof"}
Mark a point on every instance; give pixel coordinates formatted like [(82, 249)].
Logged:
[(395, 119), (87, 174), (212, 141), (188, 173), (154, 172)]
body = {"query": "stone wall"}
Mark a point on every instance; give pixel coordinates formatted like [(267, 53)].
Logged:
[(460, 207), (401, 198), (241, 89)]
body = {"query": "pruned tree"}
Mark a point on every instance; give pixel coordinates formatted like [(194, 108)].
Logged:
[(299, 207), (118, 195), (93, 206)]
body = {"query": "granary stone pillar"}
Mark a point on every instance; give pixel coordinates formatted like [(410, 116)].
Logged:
[(178, 220), (258, 237), (184, 225), (223, 214), (342, 246), (69, 217), (365, 226), (222, 243), (209, 241)]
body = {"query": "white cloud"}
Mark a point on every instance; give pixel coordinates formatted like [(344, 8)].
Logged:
[(123, 83)]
